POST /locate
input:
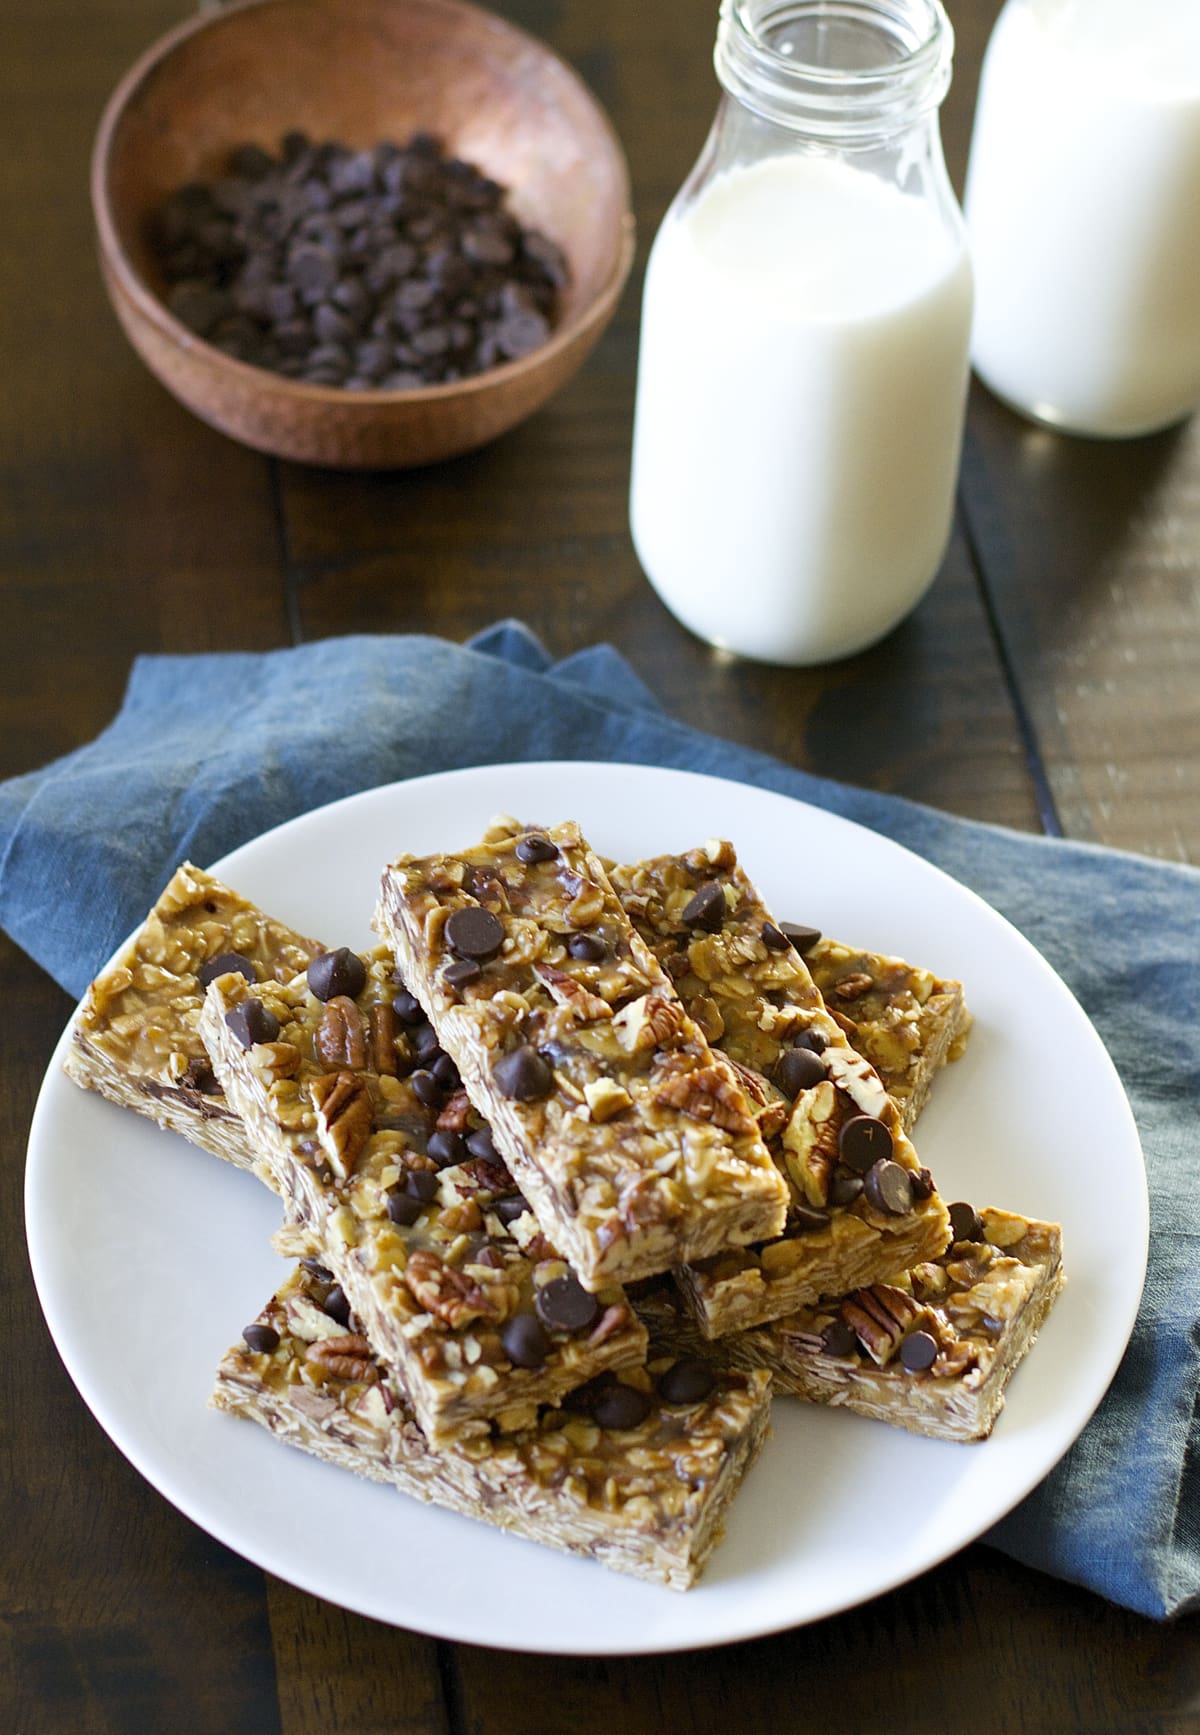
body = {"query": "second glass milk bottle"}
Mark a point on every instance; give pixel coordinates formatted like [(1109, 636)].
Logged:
[(805, 326)]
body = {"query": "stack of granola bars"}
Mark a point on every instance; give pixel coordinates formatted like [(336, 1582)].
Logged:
[(578, 1165)]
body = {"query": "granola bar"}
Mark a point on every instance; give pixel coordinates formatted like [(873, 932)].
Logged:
[(634, 1143), (136, 1037), (398, 1189), (907, 1022), (932, 1351), (637, 1474), (862, 1206)]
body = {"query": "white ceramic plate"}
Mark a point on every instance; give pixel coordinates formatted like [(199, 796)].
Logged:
[(149, 1256)]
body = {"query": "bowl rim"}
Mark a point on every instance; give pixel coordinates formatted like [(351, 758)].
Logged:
[(130, 282)]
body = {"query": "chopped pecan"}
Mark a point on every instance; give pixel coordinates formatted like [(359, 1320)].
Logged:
[(709, 1093), (606, 1098), (846, 1025), (344, 1118), (483, 1175), (720, 853), (852, 987), (383, 1028), (810, 1142), (566, 991), (463, 1218), (346, 1358), (455, 1114), (449, 1295), (611, 1320), (340, 1039), (707, 1014), (880, 1318)]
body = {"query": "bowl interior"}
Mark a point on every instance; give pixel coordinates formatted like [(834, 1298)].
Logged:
[(361, 71)]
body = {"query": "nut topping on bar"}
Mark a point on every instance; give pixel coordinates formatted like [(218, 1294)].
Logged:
[(633, 1141)]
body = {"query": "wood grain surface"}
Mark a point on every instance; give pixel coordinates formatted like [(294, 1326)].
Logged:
[(1049, 680)]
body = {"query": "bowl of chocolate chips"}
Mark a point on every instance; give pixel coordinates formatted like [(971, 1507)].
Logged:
[(360, 233)]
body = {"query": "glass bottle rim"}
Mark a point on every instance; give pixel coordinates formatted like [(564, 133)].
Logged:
[(827, 100)]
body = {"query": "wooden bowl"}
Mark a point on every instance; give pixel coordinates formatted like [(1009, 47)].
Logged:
[(361, 71)]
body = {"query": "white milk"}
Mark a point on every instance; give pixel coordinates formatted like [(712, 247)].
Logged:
[(1083, 210), (800, 402)]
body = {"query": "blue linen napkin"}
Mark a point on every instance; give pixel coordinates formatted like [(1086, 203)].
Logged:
[(209, 751)]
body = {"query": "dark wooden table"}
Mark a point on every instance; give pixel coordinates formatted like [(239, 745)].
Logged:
[(1049, 680)]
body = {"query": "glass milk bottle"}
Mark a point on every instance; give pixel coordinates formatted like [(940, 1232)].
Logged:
[(1083, 209), (805, 324)]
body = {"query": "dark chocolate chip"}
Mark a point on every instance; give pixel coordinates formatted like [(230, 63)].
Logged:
[(262, 1339), (444, 1070), (838, 1339), (251, 1023), (797, 935), (422, 1184), (813, 1039), (508, 1210), (403, 1208), (525, 1342), (686, 1382), (226, 964), (336, 1306), (446, 1147), (621, 1406), (481, 1144), (863, 1140), (473, 932), (773, 938), (803, 1219), (334, 973), (922, 1184), (589, 948), (707, 910), (844, 1186), (888, 1187), (918, 1351), (533, 847), (799, 1069), (426, 1088), (200, 1076), (461, 972), (425, 1043), (522, 1075), (964, 1222), (564, 1304), (408, 1008), (315, 1269)]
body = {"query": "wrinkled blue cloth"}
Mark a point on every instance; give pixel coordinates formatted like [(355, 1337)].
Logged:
[(209, 751)]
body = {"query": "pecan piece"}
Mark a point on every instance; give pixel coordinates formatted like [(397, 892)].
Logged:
[(880, 1318), (340, 1039), (584, 1006), (610, 1321), (707, 1014), (810, 1142), (344, 1118), (346, 1358), (852, 987), (455, 1114), (449, 1295), (382, 1030), (708, 1094)]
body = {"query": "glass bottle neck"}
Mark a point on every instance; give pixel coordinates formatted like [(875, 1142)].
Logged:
[(843, 72)]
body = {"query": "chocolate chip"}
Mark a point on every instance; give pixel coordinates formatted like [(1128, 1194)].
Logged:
[(918, 1351), (964, 1222), (337, 1307), (226, 964), (200, 1076), (686, 1382), (707, 910), (773, 938), (588, 948), (473, 932), (802, 938), (251, 1022), (621, 1406), (446, 1147), (461, 972), (564, 1304), (844, 1186), (863, 1140), (838, 1339), (522, 1075), (444, 1070), (888, 1187), (422, 1184), (334, 973), (813, 1039), (408, 1008), (403, 1208), (922, 1184), (426, 1088), (481, 1144), (508, 1210), (262, 1339), (803, 1219), (315, 1269), (525, 1342), (799, 1069), (425, 1044), (533, 847)]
